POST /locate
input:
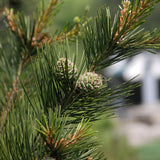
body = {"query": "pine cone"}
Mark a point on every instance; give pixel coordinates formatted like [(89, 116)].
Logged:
[(89, 81), (65, 68)]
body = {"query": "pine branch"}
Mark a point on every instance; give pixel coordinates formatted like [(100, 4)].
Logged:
[(29, 30), (73, 31), (70, 34), (27, 41), (61, 88), (65, 142), (11, 97), (133, 13), (78, 95), (44, 17), (106, 43), (56, 76), (19, 140), (100, 103)]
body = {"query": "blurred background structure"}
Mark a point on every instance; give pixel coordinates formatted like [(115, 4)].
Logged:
[(141, 122), (142, 68)]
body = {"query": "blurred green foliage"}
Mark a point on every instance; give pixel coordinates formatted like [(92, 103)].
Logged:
[(149, 151), (115, 145)]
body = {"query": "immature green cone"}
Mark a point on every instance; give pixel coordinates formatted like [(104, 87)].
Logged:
[(89, 81), (65, 69), (77, 19)]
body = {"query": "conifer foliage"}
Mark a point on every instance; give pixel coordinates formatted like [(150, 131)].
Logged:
[(50, 93)]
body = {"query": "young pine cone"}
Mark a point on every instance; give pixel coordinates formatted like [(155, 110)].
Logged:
[(89, 81), (65, 69)]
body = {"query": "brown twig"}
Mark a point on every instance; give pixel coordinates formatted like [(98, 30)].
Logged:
[(129, 17), (75, 31), (44, 17), (11, 96)]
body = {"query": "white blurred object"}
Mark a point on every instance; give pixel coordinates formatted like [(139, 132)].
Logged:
[(116, 69), (150, 83), (146, 68), (136, 67), (142, 63)]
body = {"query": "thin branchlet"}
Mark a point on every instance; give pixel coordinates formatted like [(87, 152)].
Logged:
[(11, 97), (130, 15), (74, 32), (43, 19)]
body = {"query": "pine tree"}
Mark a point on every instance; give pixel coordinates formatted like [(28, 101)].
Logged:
[(52, 92)]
